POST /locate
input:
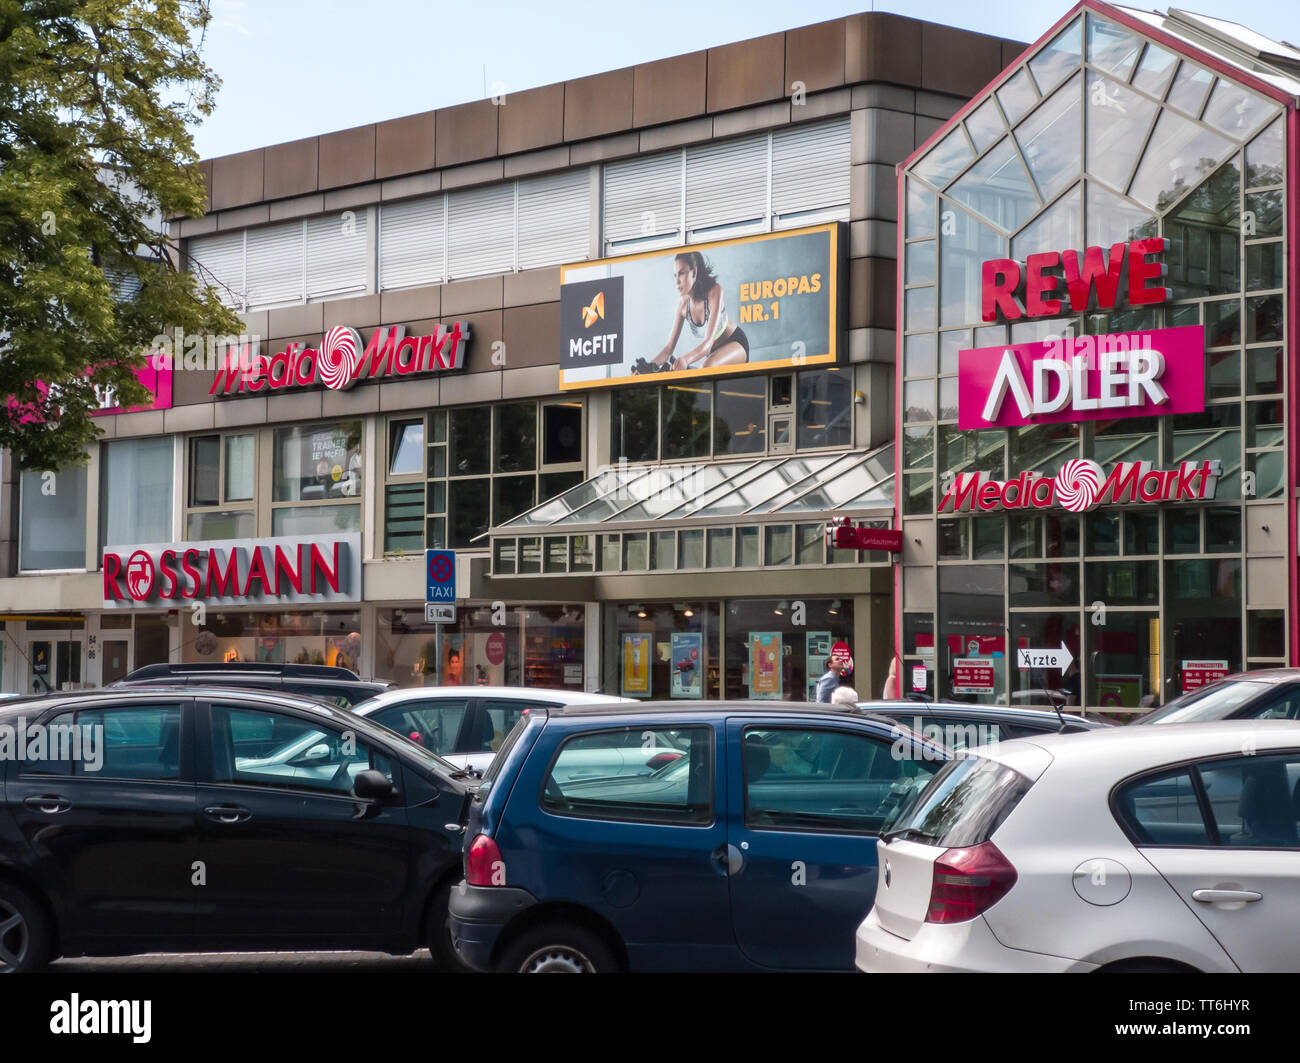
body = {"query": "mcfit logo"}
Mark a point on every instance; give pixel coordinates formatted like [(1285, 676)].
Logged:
[(592, 329)]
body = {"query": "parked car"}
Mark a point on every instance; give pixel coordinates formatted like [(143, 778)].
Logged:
[(753, 850), (1266, 694), (342, 686), (1128, 849), (357, 844), (958, 725), (466, 725)]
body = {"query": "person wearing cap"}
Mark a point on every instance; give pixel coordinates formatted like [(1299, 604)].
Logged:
[(828, 683)]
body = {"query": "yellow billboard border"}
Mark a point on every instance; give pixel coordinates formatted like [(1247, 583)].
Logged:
[(832, 356)]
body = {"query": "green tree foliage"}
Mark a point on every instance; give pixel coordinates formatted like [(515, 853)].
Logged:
[(97, 99)]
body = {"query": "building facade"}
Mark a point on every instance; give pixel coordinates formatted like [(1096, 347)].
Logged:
[(1096, 444), (637, 486)]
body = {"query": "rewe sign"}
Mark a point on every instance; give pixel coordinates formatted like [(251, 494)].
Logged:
[(340, 360), (1081, 484), (235, 572), (1083, 378)]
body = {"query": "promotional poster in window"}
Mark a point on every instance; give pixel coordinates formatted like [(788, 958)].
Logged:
[(731, 306)]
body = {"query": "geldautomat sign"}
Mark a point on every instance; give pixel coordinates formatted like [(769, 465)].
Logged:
[(235, 572)]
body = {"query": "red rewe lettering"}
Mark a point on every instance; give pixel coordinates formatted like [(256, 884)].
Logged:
[(1038, 284), (316, 563), (112, 573), (226, 582), (1000, 278), (1099, 271), (1140, 271)]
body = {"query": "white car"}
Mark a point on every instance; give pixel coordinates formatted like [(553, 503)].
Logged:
[(1168, 848)]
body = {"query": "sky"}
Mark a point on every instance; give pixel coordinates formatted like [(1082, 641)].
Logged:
[(296, 68)]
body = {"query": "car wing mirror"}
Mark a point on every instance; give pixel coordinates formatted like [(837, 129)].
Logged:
[(371, 785)]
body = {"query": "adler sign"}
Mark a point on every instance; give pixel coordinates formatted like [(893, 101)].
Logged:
[(1082, 378), (234, 572)]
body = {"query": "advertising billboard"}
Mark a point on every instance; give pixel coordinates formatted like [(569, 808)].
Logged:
[(730, 306)]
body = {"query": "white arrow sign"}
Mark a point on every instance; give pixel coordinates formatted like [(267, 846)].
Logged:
[(1059, 660)]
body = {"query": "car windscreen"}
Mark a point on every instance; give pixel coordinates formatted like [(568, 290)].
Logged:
[(1215, 702), (963, 805)]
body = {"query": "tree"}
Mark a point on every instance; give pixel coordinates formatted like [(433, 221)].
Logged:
[(97, 98)]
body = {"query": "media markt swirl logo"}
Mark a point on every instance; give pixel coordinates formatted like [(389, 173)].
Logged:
[(339, 358), (1078, 484)]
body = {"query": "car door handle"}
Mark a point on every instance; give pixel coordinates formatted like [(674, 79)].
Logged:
[(727, 860), (227, 813), (50, 804), (1226, 896)]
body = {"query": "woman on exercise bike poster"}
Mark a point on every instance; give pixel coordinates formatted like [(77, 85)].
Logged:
[(703, 310)]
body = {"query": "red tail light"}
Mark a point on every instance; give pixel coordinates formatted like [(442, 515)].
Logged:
[(659, 760), (968, 882), (483, 863)]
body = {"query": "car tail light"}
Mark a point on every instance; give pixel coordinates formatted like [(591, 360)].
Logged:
[(483, 863), (968, 882), (660, 759)]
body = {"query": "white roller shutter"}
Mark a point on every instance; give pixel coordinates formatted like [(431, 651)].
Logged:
[(726, 183), (411, 243), (336, 254), (811, 168), (643, 197), (275, 265), (481, 231), (218, 260), (554, 219)]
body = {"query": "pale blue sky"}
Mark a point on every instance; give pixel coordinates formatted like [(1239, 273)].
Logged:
[(295, 68)]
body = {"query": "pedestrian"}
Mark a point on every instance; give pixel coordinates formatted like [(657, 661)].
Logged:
[(826, 684), (891, 681), (844, 695)]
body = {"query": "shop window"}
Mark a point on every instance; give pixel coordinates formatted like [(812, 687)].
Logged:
[(825, 408), (1269, 469), (918, 400), (530, 555), (1121, 582), (317, 472), (136, 492), (222, 487), (1102, 534), (663, 550), (561, 434), (1046, 687), (779, 546), (317, 637), (634, 427), (1050, 583), (747, 548), (635, 552), (918, 635), (768, 657), (954, 539), (610, 553), (580, 553), (1264, 266), (740, 421), (810, 544), (404, 488), (686, 416), (1266, 634), (556, 553), (1264, 319), (1222, 531), (690, 547), (1142, 532), (503, 557), (721, 553), (52, 519)]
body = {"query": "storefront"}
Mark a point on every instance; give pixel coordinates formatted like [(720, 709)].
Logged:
[(1095, 411)]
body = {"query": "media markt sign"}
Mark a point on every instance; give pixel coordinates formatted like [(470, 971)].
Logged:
[(1082, 484)]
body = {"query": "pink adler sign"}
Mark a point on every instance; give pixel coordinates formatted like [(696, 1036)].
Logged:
[(1082, 378)]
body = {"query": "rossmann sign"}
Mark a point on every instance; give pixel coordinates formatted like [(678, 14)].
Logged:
[(235, 572), (341, 360)]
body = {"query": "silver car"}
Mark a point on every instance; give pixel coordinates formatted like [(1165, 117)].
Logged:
[(1170, 848)]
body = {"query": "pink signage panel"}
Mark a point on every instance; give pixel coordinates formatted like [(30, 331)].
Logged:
[(1082, 378)]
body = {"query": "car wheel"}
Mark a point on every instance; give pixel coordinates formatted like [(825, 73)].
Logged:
[(558, 948), (26, 940), (440, 946)]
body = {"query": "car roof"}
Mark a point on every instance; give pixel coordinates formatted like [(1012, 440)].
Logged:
[(538, 695), (1121, 751), (1007, 712), (156, 692)]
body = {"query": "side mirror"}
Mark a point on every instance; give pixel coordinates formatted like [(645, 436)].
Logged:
[(317, 752), (373, 786)]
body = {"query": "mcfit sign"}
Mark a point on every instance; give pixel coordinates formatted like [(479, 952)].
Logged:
[(235, 572)]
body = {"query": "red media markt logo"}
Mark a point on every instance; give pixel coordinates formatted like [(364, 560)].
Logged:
[(140, 575)]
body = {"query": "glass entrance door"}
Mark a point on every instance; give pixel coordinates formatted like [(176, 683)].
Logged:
[(52, 664)]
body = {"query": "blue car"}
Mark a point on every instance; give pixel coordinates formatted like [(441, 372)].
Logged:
[(753, 849)]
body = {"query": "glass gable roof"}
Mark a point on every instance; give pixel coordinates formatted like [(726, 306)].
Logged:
[(639, 494)]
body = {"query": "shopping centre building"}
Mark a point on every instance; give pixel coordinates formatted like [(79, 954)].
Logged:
[(627, 344)]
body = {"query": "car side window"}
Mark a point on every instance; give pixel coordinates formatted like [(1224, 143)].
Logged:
[(1286, 707), (499, 717), (1255, 801), (434, 723), (308, 755), (680, 792), (798, 778), (958, 733), (1163, 810), (126, 742)]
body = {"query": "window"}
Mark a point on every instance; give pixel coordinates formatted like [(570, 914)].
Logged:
[(114, 743), (255, 748), (434, 724), (404, 485), (1163, 810), (222, 477), (775, 180), (135, 494), (819, 780), (584, 780), (52, 520), (318, 473), (499, 716), (489, 464)]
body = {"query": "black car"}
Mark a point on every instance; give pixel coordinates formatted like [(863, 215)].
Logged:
[(192, 819), (342, 686), (1266, 694), (959, 725)]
